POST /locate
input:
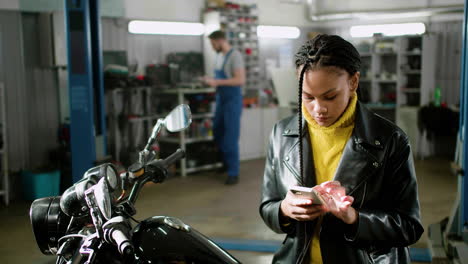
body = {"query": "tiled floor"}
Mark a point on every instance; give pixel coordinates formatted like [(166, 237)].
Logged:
[(219, 211)]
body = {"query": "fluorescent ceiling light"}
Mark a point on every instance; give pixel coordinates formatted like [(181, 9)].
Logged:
[(210, 28), (165, 28), (372, 15), (278, 32), (393, 15), (388, 30)]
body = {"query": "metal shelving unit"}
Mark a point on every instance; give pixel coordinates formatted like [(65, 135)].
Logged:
[(183, 140), (398, 78), (397, 72), (417, 71), (4, 191), (132, 114), (135, 105)]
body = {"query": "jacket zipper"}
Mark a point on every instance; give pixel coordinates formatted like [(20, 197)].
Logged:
[(371, 260), (307, 245), (364, 195)]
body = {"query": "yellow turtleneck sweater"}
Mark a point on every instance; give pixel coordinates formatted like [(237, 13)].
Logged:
[(327, 147)]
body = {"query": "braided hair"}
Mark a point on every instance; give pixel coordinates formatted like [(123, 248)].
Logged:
[(323, 51)]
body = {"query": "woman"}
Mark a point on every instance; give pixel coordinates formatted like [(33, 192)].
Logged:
[(359, 162)]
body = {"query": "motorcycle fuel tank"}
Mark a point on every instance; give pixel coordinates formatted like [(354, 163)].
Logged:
[(162, 239)]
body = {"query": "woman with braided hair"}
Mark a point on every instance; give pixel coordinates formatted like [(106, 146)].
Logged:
[(360, 164)]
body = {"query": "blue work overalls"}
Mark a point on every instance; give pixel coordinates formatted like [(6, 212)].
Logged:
[(226, 123)]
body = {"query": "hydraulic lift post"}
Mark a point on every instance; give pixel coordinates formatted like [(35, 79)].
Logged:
[(448, 240), (85, 84)]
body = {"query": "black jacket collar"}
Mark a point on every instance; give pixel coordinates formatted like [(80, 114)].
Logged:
[(361, 155), (363, 132)]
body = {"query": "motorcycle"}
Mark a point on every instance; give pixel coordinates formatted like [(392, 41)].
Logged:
[(92, 222)]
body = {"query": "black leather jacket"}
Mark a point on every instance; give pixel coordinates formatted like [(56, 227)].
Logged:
[(376, 169)]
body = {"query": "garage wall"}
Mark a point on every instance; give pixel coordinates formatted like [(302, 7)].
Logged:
[(282, 13), (109, 8), (338, 6), (174, 10), (144, 49), (42, 102), (13, 76), (273, 12), (31, 92), (9, 5), (448, 59), (279, 53)]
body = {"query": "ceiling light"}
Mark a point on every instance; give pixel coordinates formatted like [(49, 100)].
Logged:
[(278, 32), (165, 28), (388, 30)]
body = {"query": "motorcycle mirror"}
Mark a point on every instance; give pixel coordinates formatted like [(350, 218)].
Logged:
[(178, 119)]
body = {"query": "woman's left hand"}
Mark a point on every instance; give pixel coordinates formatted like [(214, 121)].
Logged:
[(337, 202)]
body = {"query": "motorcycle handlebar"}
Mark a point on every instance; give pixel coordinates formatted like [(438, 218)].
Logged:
[(179, 154), (124, 245), (157, 176)]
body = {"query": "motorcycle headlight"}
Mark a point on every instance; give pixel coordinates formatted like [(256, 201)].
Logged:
[(48, 222)]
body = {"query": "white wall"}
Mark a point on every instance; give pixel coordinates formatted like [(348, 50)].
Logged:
[(336, 6), (272, 12), (9, 4), (275, 12), (12, 74), (144, 49), (109, 8), (324, 7), (166, 10)]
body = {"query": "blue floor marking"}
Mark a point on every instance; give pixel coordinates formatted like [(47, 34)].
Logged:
[(271, 246), (249, 245), (420, 255)]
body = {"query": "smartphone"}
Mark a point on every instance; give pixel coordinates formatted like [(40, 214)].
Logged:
[(308, 193)]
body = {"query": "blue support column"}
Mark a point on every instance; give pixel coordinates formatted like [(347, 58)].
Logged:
[(98, 77), (463, 183), (84, 82)]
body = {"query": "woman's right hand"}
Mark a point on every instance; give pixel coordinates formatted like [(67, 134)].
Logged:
[(300, 209)]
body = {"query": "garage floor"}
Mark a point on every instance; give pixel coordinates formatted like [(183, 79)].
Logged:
[(219, 211)]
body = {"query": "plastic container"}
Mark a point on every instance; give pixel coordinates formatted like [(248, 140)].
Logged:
[(437, 96), (42, 184)]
